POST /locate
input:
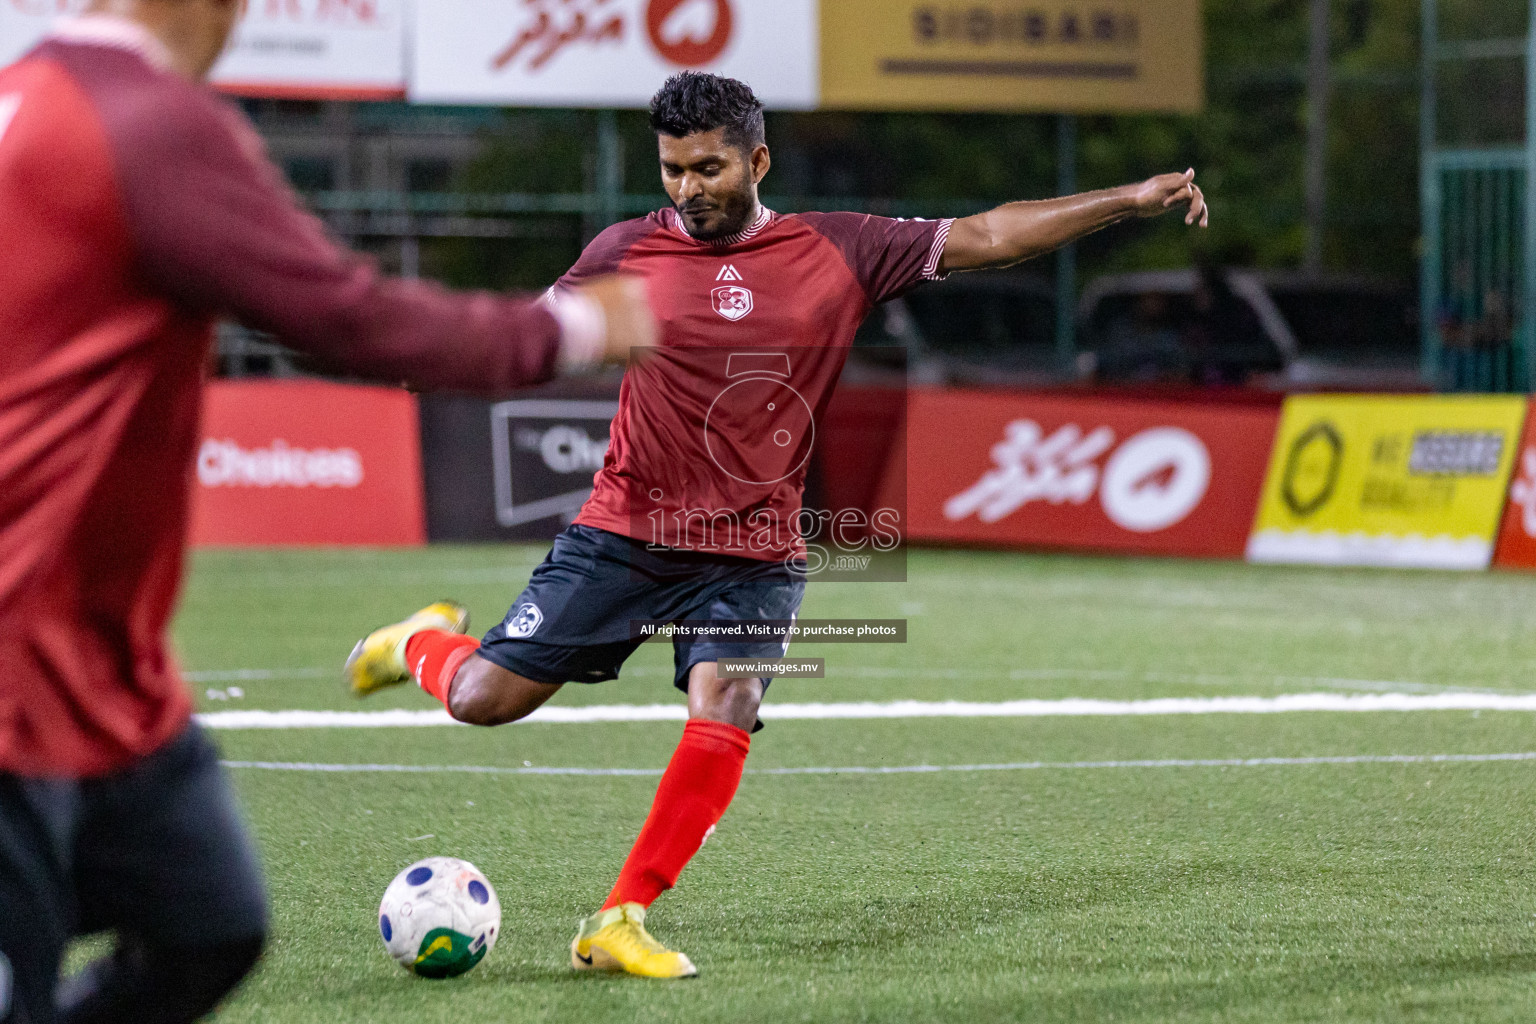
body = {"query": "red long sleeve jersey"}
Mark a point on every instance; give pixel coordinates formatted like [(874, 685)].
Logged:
[(715, 428), (135, 207)]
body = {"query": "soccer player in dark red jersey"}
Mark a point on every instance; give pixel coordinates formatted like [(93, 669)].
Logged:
[(695, 514), (135, 208)]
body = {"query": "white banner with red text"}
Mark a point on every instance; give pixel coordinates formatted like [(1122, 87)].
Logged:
[(611, 53), (312, 49)]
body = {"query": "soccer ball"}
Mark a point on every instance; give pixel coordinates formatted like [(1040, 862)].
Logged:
[(439, 917)]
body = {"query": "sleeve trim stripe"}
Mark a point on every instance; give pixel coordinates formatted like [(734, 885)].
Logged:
[(936, 253)]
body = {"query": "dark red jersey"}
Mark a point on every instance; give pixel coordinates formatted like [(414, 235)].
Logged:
[(710, 445), (135, 207)]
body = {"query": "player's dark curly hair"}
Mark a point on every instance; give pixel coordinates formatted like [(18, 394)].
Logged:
[(695, 102)]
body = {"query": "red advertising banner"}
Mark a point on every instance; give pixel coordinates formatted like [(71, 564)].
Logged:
[(1105, 474), (306, 462), (1517, 540)]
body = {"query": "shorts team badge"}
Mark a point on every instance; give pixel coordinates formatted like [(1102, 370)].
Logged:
[(732, 302), (525, 622)]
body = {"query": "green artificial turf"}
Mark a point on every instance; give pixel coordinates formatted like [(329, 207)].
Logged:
[(1322, 892)]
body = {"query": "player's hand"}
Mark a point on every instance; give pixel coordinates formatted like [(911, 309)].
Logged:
[(627, 311), (1158, 195)]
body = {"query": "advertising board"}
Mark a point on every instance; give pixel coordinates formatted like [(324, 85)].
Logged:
[(1388, 481), (610, 53), (1055, 55), (1517, 540), (1114, 475), (24, 22), (312, 49), (306, 462), (317, 49), (514, 470)]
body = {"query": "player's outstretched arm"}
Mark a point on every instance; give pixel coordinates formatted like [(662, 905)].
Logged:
[(1019, 231), (216, 227)]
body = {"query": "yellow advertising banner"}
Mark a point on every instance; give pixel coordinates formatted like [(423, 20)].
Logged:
[(1374, 480), (1067, 56)]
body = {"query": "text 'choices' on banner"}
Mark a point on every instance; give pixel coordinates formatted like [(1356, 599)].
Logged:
[(1388, 481), (306, 462)]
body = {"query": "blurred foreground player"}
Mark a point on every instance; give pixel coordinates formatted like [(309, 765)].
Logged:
[(691, 515), (135, 207)]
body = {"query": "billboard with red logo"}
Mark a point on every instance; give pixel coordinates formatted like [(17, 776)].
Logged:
[(310, 49), (1054, 471), (305, 462), (1517, 540), (611, 53)]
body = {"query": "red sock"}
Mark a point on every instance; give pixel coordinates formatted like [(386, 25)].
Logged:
[(435, 656), (694, 793)]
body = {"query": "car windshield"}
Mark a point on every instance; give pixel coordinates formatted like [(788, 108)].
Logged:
[(1349, 323), (1148, 311), (1207, 335)]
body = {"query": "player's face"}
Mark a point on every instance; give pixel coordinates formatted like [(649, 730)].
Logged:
[(712, 184)]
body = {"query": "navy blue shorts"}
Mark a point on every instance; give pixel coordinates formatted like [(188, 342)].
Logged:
[(155, 852), (575, 622)]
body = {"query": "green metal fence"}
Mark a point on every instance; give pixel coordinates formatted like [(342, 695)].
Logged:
[(1479, 282), (1479, 273)]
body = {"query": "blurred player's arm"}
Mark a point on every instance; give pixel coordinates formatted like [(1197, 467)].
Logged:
[(1019, 231), (216, 227)]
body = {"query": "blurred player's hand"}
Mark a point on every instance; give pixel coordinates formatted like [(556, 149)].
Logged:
[(627, 311), (1158, 195)]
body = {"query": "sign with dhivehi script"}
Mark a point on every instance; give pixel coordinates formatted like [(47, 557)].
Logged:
[(610, 53), (1088, 56)]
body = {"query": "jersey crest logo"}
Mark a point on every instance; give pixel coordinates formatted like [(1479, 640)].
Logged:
[(732, 302), (728, 273), (525, 622)]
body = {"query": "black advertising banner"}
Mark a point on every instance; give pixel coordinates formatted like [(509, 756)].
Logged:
[(520, 469), (513, 470)]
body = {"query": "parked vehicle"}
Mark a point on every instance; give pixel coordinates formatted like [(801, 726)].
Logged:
[(1352, 331), (1277, 329), (992, 328)]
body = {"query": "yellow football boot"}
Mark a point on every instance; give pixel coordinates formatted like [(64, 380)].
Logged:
[(616, 940), (378, 660)]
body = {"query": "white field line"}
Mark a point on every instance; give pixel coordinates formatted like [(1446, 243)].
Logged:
[(256, 675), (909, 769), (1069, 708), (246, 675)]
